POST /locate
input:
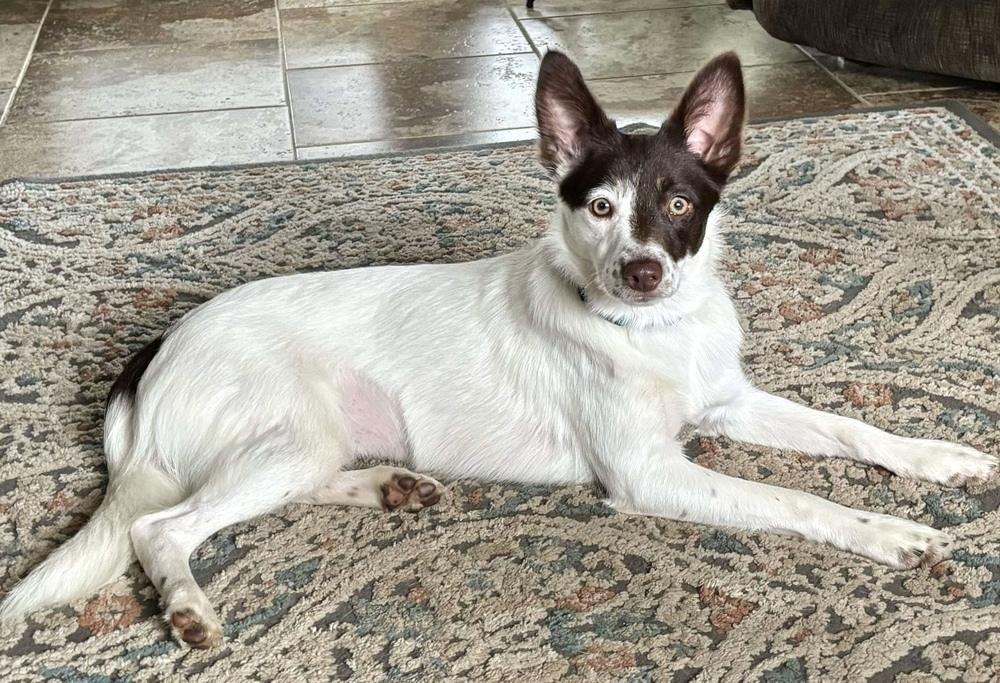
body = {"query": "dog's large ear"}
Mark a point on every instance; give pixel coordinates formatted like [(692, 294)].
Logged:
[(570, 121), (711, 114)]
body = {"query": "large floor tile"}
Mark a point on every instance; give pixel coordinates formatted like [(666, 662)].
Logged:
[(660, 41), (22, 11), (777, 90), (412, 99), (559, 8), (95, 24), (865, 79), (984, 102), (15, 44), (338, 36), (354, 149), (142, 143), (150, 80)]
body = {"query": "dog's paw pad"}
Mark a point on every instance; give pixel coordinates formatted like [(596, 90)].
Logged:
[(410, 492), (901, 543), (927, 551), (950, 464), (973, 466), (194, 630), (182, 618)]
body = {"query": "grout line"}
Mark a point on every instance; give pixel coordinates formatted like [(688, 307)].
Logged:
[(401, 59), (685, 71), (836, 78), (346, 4), (156, 113), (694, 5), (405, 58), (284, 78), (9, 105), (910, 91), (149, 46), (520, 27), (415, 137)]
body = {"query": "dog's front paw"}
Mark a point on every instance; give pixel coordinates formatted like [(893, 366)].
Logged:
[(948, 463), (898, 542)]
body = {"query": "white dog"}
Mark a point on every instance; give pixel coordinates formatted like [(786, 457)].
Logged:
[(576, 359)]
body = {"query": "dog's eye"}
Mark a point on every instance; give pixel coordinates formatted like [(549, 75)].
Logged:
[(600, 208), (679, 206)]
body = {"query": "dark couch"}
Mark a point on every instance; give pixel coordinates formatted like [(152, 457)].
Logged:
[(953, 37)]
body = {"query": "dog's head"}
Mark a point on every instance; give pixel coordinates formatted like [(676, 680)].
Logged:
[(635, 206)]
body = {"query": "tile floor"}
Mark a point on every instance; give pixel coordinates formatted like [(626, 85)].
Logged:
[(98, 86)]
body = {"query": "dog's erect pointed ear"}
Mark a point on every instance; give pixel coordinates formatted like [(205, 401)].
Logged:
[(711, 114), (569, 119)]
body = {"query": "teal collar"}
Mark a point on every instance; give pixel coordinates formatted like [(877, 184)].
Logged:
[(622, 322), (614, 321)]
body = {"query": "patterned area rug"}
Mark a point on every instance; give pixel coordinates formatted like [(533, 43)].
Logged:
[(864, 259)]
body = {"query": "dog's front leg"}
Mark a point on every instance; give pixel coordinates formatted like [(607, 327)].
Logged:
[(672, 486), (760, 418)]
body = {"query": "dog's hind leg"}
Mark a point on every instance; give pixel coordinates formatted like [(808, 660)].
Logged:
[(381, 487), (259, 476)]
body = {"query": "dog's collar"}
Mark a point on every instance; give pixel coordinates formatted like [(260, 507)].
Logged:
[(620, 322)]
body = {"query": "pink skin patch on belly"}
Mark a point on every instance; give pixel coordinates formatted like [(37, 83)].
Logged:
[(374, 421)]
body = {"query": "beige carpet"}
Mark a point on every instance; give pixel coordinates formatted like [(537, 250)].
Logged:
[(864, 259)]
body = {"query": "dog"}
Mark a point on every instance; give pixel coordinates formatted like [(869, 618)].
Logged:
[(577, 359)]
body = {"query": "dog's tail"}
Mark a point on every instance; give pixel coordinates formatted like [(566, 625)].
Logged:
[(102, 550)]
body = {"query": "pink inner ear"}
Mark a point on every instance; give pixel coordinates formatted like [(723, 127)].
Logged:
[(700, 142), (711, 122), (566, 128)]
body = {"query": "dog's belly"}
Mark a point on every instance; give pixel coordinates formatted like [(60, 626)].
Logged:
[(470, 435), (374, 421), (507, 449)]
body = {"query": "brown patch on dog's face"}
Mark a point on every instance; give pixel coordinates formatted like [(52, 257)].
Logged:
[(660, 168), (671, 177)]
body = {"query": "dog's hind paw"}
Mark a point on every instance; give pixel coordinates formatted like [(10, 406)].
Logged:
[(410, 492), (192, 628)]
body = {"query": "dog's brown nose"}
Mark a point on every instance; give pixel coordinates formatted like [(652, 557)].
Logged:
[(642, 276)]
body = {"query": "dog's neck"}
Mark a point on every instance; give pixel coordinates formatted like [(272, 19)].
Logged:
[(586, 302), (624, 321), (550, 286)]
